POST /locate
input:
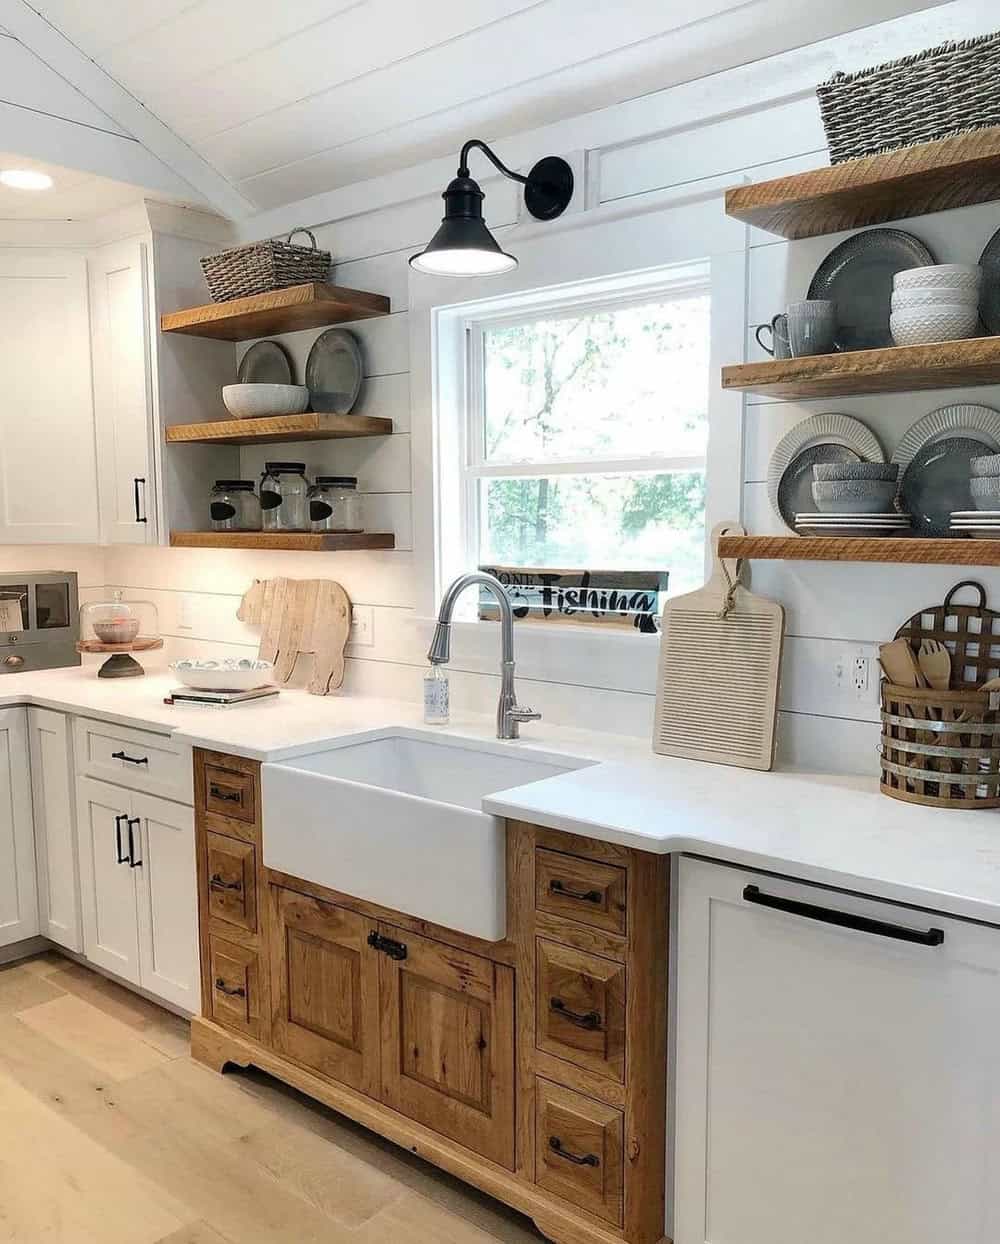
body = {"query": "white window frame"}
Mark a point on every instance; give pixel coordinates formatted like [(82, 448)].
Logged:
[(689, 279)]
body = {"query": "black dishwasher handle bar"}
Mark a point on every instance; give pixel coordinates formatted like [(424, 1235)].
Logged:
[(843, 919)]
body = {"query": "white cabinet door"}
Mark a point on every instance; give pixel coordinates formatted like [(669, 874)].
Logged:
[(18, 887), (107, 877), (833, 1083), (50, 743), (122, 392), (167, 901), (48, 460)]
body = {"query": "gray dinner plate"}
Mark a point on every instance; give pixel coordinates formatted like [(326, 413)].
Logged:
[(936, 483), (857, 275), (989, 294), (795, 487), (265, 363), (334, 371)]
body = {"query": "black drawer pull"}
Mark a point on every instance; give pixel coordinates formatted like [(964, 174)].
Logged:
[(227, 796), (591, 1020), (843, 919), (222, 987), (132, 861), (136, 481), (217, 883), (588, 1159), (132, 760), (122, 857), (565, 891), (388, 946)]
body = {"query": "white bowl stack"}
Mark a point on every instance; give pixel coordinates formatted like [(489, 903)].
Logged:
[(940, 303)]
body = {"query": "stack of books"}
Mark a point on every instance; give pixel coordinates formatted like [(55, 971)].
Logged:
[(218, 699)]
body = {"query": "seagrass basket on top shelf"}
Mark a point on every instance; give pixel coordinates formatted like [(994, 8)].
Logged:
[(260, 267), (942, 748)]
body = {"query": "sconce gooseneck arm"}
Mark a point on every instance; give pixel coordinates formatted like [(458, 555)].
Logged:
[(463, 165)]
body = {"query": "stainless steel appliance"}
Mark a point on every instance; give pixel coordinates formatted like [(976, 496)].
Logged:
[(50, 621)]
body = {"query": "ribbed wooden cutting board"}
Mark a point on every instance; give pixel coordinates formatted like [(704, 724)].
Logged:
[(717, 687), (301, 617)]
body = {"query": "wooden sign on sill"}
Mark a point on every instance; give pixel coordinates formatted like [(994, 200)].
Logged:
[(621, 598)]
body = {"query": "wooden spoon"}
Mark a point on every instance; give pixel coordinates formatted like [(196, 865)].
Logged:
[(935, 664), (900, 665)]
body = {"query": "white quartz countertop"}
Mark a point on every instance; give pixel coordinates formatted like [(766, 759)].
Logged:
[(835, 831)]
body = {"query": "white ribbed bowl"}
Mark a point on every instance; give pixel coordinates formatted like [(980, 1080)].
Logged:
[(258, 401), (907, 299), (940, 276), (922, 326), (230, 674)]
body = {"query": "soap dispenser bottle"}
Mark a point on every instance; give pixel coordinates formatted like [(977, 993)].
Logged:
[(436, 706)]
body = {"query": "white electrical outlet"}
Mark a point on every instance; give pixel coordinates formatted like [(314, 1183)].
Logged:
[(362, 626), (855, 673), (185, 613)]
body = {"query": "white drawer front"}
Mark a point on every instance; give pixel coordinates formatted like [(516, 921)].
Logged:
[(137, 759)]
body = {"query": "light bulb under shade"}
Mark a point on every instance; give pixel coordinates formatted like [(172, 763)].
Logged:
[(463, 262), (25, 179)]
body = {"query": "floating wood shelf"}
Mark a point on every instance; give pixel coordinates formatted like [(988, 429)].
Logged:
[(910, 550), (931, 177), (946, 365), (281, 311), (307, 427), (303, 541)]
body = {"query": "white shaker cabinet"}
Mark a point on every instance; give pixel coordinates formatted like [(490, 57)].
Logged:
[(838, 1067), (139, 889), (18, 887), (119, 301), (48, 460), (51, 746)]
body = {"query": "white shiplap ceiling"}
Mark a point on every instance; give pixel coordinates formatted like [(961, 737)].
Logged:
[(286, 98)]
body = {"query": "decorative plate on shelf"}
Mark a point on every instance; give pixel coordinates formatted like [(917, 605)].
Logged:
[(934, 463), (822, 438), (265, 363), (334, 371), (857, 275)]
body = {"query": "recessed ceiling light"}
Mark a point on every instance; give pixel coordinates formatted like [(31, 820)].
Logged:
[(25, 179)]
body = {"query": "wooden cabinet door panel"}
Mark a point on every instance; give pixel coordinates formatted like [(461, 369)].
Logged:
[(232, 881), (50, 741), (448, 1042), (325, 987), (578, 1150), (580, 1008), (583, 890), (236, 986), (107, 880)]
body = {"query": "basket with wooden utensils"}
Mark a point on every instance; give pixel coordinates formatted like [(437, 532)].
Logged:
[(941, 706), (717, 685)]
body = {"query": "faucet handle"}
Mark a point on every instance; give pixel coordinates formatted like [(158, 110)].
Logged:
[(518, 713)]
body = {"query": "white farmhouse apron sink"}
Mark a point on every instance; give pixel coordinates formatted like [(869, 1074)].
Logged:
[(395, 819)]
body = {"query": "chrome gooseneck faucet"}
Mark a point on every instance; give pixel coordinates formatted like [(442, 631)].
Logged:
[(509, 713)]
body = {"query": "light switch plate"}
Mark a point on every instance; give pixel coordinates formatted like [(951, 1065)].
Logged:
[(362, 626)]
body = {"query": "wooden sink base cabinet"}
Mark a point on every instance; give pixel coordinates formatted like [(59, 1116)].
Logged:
[(533, 1068)]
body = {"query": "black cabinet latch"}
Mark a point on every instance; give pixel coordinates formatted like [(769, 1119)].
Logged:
[(387, 945)]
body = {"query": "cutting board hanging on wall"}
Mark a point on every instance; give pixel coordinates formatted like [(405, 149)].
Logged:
[(301, 617), (717, 684)]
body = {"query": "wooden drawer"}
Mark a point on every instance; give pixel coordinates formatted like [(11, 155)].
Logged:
[(232, 881), (230, 793), (136, 759), (236, 986), (579, 1151), (580, 1008), (582, 890)]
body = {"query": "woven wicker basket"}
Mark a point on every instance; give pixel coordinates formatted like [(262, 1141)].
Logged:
[(261, 267), (943, 91)]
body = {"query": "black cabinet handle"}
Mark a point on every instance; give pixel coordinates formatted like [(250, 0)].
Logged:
[(217, 883), (843, 919), (565, 891), (137, 480), (122, 857), (132, 861), (222, 987), (388, 946), (227, 796), (591, 1020), (132, 760), (588, 1159)]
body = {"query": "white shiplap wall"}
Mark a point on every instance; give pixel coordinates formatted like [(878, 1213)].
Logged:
[(749, 124)]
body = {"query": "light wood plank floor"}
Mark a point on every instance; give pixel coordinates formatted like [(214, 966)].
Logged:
[(110, 1134)]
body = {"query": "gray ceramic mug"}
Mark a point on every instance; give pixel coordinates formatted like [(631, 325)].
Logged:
[(812, 327), (780, 347)]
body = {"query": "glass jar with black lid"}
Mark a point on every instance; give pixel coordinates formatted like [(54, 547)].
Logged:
[(234, 506), (335, 505), (283, 489)]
